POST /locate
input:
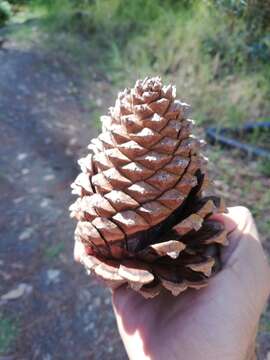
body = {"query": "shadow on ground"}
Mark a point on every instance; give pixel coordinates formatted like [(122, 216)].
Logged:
[(54, 310)]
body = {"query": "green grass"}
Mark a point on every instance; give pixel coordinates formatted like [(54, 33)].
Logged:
[(258, 138), (8, 333), (265, 323), (204, 50), (54, 251), (265, 227), (264, 167), (95, 119), (5, 12)]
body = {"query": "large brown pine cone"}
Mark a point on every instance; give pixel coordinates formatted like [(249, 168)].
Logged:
[(141, 208)]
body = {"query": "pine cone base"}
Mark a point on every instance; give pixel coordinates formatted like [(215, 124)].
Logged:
[(142, 212)]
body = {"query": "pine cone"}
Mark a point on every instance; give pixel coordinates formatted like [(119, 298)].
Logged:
[(141, 208)]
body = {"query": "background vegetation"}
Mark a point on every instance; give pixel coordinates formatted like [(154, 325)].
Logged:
[(211, 49), (215, 49)]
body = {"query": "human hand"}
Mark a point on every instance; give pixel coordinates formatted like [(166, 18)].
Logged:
[(217, 322)]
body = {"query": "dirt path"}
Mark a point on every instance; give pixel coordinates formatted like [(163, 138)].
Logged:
[(56, 311)]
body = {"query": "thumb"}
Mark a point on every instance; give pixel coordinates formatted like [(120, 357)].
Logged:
[(245, 258)]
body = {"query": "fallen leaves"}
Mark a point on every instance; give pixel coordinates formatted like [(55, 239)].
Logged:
[(19, 291)]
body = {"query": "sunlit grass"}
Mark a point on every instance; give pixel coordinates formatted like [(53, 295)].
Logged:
[(54, 251), (8, 333), (192, 46)]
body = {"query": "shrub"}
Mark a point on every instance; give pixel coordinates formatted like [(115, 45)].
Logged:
[(5, 12), (247, 25), (209, 44)]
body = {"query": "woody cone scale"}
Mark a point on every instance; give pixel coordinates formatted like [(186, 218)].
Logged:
[(141, 209)]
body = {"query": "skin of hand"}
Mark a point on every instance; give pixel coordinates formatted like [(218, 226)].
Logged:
[(216, 322)]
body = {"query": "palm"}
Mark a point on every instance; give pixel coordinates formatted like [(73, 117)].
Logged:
[(219, 321), (201, 321)]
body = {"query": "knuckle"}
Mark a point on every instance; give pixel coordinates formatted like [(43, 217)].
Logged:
[(245, 212)]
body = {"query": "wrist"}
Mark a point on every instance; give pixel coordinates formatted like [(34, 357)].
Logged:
[(251, 352)]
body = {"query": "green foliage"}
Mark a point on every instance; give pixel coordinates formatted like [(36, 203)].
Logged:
[(265, 323), (5, 12), (264, 168), (214, 50), (255, 12), (244, 37), (19, 2), (8, 333), (54, 251)]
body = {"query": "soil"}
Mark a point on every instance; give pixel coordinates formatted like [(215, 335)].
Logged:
[(59, 312)]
